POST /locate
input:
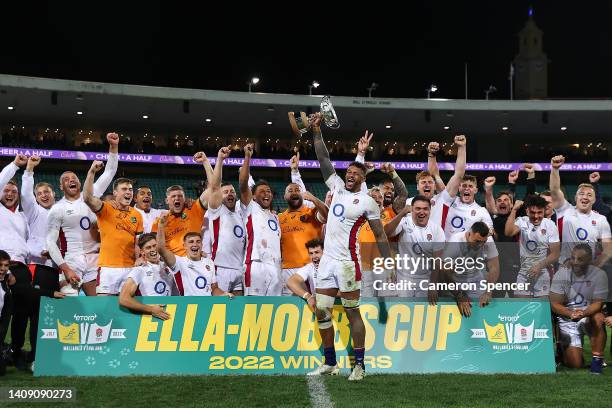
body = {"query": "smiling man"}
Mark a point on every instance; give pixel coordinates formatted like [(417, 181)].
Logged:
[(119, 231), (73, 224), (143, 201)]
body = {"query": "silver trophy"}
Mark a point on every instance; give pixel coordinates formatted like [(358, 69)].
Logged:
[(302, 123)]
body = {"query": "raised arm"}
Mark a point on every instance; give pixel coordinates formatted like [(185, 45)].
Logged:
[(8, 172), (28, 201), (401, 193), (163, 251), (453, 184), (93, 202), (106, 178), (432, 165), (510, 229), (243, 177), (215, 196), (296, 177), (555, 181), (599, 204), (489, 182), (327, 168), (200, 157)]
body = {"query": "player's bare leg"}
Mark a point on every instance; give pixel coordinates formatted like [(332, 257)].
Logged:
[(89, 288), (325, 303), (350, 301)]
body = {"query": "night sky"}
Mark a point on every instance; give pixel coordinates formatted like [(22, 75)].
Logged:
[(403, 49)]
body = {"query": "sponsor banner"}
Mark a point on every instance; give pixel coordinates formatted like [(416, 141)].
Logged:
[(283, 163), (278, 335)]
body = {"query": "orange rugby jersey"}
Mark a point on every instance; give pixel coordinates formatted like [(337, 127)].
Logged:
[(297, 228), (118, 230), (367, 242), (190, 220)]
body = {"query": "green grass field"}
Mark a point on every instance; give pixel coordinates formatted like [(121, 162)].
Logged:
[(432, 390)]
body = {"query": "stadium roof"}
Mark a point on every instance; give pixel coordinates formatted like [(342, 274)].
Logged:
[(179, 109)]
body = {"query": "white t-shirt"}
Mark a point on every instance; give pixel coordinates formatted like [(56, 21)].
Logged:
[(576, 228), (459, 217), (152, 279), (347, 213), (148, 218), (263, 235), (227, 237), (580, 291), (535, 241), (76, 223), (457, 247), (194, 278), (417, 242)]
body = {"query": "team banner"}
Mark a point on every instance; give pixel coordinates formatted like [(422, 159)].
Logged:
[(278, 335), (284, 163)]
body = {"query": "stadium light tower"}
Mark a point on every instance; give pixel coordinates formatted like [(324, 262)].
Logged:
[(252, 82), (432, 88), (491, 90), (372, 88), (315, 85)]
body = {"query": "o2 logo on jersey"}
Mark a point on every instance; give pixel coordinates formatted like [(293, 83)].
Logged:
[(273, 225), (338, 211), (238, 231), (582, 234), (85, 223), (160, 287), (201, 282), (457, 222), (531, 245)]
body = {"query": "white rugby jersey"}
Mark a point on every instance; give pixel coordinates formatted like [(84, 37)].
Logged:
[(151, 279), (459, 217), (457, 247), (576, 227), (417, 242), (263, 234), (580, 291), (348, 212), (194, 278), (227, 237), (148, 218), (75, 223), (14, 226), (36, 216), (535, 240), (435, 215)]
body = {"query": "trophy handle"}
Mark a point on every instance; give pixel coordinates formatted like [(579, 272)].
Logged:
[(305, 123)]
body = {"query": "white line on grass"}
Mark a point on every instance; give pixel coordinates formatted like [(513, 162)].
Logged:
[(319, 397)]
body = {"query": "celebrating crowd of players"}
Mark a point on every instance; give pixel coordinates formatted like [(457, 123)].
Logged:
[(226, 243)]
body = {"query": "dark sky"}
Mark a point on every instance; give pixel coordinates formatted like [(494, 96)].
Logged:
[(404, 48)]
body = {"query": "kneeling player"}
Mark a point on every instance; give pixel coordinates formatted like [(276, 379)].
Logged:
[(577, 295), (194, 274), (539, 246), (149, 279), (302, 282)]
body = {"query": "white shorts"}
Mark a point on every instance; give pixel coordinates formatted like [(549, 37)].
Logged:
[(111, 279), (285, 275), (261, 279), (229, 279), (343, 275), (539, 288), (84, 265), (571, 333)]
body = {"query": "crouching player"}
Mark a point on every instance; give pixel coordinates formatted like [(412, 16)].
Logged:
[(149, 279), (194, 274), (577, 294), (302, 282)]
